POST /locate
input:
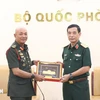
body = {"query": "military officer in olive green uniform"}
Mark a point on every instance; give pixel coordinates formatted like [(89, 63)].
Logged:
[(20, 77), (76, 63)]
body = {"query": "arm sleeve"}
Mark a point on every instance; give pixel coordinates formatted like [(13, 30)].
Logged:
[(12, 58), (63, 54), (86, 57)]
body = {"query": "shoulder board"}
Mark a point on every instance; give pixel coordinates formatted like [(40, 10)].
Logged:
[(84, 45), (13, 46), (66, 46)]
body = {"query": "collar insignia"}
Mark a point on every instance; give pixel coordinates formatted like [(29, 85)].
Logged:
[(76, 46), (21, 48)]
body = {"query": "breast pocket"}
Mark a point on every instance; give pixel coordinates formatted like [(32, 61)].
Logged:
[(65, 58), (77, 59), (77, 62)]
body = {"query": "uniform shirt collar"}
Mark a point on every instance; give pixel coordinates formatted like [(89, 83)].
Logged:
[(76, 46), (19, 47)]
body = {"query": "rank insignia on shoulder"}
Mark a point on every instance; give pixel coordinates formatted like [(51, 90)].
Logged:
[(13, 46), (84, 45), (67, 46)]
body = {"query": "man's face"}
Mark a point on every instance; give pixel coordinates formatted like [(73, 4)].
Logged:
[(73, 35), (21, 35)]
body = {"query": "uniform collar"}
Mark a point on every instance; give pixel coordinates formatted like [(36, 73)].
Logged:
[(19, 47), (76, 45)]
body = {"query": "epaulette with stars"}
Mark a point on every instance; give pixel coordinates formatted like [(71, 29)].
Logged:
[(13, 46), (84, 45)]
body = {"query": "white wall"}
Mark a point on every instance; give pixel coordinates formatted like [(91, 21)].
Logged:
[(46, 39)]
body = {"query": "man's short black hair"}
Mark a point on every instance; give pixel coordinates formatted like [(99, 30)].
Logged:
[(74, 25)]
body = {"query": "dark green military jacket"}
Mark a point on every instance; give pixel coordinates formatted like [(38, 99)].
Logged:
[(76, 57), (19, 57)]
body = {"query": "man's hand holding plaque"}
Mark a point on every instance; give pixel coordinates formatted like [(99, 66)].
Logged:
[(52, 71)]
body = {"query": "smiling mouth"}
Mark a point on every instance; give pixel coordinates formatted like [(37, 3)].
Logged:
[(23, 39), (71, 39)]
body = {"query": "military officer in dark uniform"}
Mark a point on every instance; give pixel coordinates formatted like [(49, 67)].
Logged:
[(76, 64), (20, 77)]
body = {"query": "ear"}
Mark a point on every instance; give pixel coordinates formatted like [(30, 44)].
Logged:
[(79, 33), (14, 35)]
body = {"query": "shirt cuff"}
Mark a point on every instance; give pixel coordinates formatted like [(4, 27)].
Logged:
[(33, 62)]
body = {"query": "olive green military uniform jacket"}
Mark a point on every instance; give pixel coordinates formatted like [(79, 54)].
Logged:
[(19, 57), (75, 58)]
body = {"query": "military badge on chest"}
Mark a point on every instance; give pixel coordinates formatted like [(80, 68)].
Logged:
[(77, 57), (65, 56), (23, 59)]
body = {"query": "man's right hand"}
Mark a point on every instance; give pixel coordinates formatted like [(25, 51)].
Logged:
[(39, 77)]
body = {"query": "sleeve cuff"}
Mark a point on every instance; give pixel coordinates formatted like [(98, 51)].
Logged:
[(33, 62)]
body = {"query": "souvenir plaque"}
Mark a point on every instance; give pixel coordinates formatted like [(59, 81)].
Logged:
[(52, 71)]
